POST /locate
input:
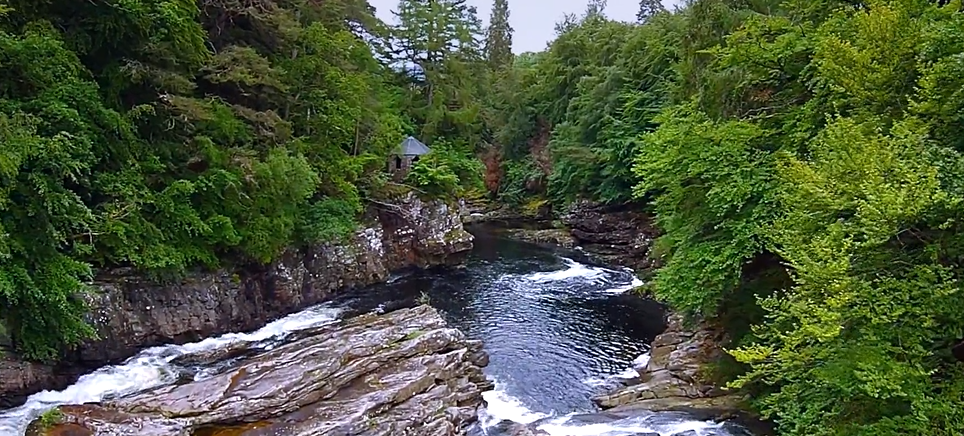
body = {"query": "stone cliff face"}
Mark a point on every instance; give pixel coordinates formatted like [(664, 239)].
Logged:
[(402, 373), (616, 234), (619, 234), (131, 313)]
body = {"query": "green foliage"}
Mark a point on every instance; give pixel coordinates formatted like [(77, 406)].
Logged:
[(438, 45), (445, 172), (519, 176), (598, 86), (498, 36), (433, 176), (158, 137), (50, 418), (804, 162), (327, 219), (713, 189)]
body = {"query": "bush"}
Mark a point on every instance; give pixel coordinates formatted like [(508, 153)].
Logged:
[(447, 171)]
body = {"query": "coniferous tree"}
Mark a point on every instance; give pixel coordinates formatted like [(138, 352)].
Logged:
[(498, 41), (596, 8), (648, 8), (439, 41)]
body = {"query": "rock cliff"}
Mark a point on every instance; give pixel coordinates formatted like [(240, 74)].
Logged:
[(402, 373), (617, 234), (131, 313)]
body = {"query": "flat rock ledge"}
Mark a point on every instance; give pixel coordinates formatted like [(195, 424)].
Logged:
[(554, 237), (400, 373), (671, 379)]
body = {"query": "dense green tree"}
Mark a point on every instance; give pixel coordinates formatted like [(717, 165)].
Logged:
[(803, 161), (172, 135), (648, 9), (438, 43), (498, 36)]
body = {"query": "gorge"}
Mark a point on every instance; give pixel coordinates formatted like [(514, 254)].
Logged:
[(553, 333), (193, 192), (131, 313)]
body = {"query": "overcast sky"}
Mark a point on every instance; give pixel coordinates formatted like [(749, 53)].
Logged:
[(533, 20)]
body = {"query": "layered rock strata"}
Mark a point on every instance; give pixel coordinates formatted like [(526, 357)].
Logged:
[(672, 379), (401, 373), (616, 234)]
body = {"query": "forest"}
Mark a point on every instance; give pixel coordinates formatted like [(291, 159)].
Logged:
[(800, 158)]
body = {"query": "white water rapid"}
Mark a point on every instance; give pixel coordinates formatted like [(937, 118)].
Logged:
[(150, 368)]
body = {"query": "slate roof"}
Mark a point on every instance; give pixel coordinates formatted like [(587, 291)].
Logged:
[(412, 147)]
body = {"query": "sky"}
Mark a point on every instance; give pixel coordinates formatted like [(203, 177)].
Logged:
[(534, 20)]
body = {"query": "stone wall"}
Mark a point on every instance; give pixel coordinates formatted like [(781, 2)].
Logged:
[(131, 313), (400, 165)]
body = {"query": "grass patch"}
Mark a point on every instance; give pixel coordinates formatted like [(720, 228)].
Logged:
[(50, 418)]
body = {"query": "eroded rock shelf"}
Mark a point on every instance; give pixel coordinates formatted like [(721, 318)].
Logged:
[(401, 373), (671, 380)]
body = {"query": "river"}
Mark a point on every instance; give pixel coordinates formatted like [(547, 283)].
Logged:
[(557, 330)]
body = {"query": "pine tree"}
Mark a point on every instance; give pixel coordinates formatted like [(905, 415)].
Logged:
[(648, 8), (440, 42), (596, 8), (498, 39)]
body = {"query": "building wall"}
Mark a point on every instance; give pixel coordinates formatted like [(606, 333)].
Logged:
[(399, 166)]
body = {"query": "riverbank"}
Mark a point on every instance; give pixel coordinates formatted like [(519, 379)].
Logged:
[(131, 313), (677, 375), (553, 330)]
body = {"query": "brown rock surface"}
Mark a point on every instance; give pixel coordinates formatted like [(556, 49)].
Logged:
[(131, 313), (401, 373), (558, 237), (671, 379)]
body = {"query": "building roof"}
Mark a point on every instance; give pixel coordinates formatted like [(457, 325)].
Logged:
[(412, 147)]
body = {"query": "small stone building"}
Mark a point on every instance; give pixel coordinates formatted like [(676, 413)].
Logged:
[(407, 153)]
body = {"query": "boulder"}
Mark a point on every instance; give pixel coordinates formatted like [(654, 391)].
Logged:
[(512, 428), (131, 312), (400, 373), (554, 237)]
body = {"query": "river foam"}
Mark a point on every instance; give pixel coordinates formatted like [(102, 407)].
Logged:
[(503, 406), (152, 367)]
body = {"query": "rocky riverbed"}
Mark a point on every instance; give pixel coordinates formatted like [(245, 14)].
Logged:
[(404, 372), (673, 379), (563, 339)]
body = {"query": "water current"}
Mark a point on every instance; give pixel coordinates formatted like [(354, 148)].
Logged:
[(557, 330)]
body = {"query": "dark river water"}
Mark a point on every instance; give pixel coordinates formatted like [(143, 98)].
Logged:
[(555, 329), (558, 330)]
